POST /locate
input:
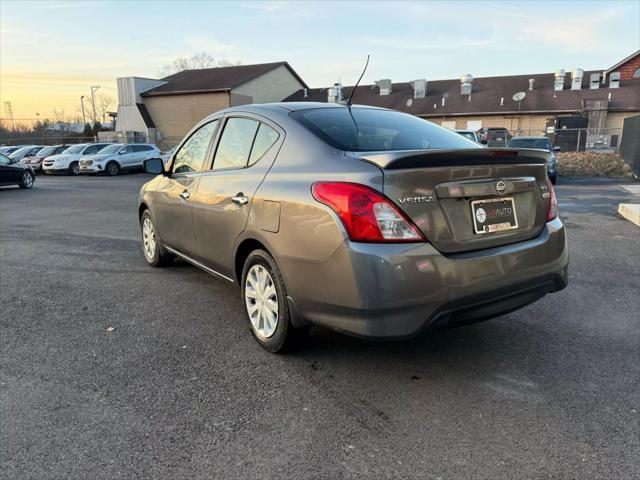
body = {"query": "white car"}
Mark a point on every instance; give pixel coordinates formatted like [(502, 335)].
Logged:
[(118, 157), (469, 134), (69, 160), (26, 151)]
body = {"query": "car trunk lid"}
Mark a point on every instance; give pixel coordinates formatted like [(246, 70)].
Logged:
[(467, 199)]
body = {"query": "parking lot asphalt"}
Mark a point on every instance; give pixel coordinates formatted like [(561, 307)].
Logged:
[(179, 389)]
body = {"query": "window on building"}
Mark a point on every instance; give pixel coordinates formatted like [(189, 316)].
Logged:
[(636, 74), (191, 155)]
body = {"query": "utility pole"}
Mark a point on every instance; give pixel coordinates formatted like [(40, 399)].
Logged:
[(9, 112), (84, 119), (94, 88)]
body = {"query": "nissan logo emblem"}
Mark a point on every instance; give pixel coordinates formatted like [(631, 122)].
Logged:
[(500, 186)]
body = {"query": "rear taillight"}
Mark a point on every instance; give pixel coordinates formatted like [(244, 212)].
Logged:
[(552, 210), (367, 215)]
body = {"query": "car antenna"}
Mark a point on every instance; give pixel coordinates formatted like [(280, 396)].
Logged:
[(358, 82)]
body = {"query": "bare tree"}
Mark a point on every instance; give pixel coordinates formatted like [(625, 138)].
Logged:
[(104, 104), (197, 61)]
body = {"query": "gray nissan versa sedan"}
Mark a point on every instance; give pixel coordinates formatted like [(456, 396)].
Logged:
[(364, 220)]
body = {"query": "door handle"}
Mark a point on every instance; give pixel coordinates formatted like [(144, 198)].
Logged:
[(240, 199), (184, 195)]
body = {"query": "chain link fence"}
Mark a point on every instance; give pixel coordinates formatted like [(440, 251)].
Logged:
[(579, 139)]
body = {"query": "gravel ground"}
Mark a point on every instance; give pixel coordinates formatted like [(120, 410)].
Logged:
[(179, 389)]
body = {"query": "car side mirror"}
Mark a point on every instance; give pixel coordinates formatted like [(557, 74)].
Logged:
[(154, 166), (483, 141), (556, 149)]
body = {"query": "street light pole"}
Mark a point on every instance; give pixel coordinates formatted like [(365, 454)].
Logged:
[(94, 88), (84, 119)]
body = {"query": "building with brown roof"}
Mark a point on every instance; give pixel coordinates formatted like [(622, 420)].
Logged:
[(602, 96), (164, 110)]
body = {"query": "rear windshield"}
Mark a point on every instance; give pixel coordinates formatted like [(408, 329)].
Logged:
[(369, 130), (541, 143)]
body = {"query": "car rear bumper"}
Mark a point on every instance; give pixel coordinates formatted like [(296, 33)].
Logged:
[(396, 290)]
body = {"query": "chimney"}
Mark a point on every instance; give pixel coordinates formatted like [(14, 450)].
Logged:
[(334, 94), (614, 80), (576, 78), (419, 88), (531, 82), (466, 84), (385, 86), (594, 81), (558, 82)]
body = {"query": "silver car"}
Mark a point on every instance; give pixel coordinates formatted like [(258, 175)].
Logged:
[(363, 220)]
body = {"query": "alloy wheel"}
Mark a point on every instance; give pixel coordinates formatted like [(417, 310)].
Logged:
[(261, 300), (27, 180), (75, 169), (148, 238)]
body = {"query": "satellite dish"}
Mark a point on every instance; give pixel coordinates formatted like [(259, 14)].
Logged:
[(518, 97), (409, 102)]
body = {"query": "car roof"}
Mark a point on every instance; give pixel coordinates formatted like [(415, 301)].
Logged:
[(531, 137), (292, 107)]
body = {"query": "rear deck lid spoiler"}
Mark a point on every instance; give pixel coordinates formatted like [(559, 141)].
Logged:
[(403, 159)]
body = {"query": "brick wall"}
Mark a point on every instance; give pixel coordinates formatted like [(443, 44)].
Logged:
[(175, 115), (628, 69)]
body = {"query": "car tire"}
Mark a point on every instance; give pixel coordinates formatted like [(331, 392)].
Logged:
[(154, 252), (282, 337), (27, 180), (74, 168), (553, 178), (111, 169)]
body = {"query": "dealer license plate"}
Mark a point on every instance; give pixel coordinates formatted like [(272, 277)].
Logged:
[(494, 215)]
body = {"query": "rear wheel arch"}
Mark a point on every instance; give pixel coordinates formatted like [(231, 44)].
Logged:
[(242, 253)]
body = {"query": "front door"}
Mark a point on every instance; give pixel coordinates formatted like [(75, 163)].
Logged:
[(173, 195), (246, 150)]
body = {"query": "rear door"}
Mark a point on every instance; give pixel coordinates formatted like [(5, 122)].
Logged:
[(9, 173), (246, 149), (174, 193), (142, 153)]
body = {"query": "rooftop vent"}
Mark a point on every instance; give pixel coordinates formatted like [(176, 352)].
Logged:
[(614, 80), (576, 78), (419, 88), (385, 86), (594, 81), (466, 84), (531, 82), (334, 94), (558, 82)]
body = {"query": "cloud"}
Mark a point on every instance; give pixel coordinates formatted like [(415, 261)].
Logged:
[(209, 44), (440, 43)]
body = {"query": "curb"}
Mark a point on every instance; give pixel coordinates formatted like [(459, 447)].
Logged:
[(630, 211)]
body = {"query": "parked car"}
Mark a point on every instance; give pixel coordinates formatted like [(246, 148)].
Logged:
[(469, 134), (117, 157), (364, 220), (35, 161), (494, 137), (13, 172), (25, 151), (69, 160), (8, 150), (540, 143)]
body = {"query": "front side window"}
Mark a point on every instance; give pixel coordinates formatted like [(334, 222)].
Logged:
[(191, 155), (75, 149), (370, 129), (235, 144)]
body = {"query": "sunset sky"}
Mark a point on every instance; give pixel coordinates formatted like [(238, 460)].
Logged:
[(51, 52)]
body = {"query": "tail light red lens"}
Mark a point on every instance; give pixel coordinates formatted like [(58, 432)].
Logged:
[(553, 210), (368, 216)]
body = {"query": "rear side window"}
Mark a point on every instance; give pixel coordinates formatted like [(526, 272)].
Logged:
[(192, 153), (235, 143), (367, 130), (142, 148), (265, 138)]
